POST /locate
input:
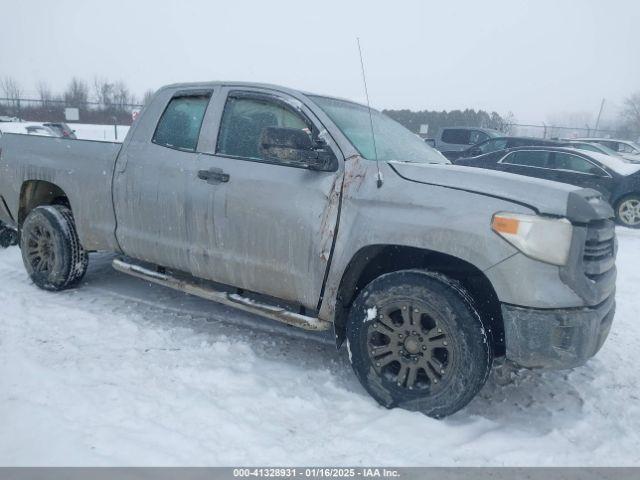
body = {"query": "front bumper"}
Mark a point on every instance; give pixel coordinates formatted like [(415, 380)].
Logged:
[(556, 338)]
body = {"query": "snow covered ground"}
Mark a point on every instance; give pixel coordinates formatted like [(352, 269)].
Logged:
[(87, 131), (120, 372)]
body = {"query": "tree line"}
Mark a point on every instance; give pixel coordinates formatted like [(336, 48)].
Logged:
[(101, 101), (626, 125), (454, 118)]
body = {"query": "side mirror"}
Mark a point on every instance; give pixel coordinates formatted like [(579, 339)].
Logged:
[(475, 151), (286, 138), (431, 142), (295, 146)]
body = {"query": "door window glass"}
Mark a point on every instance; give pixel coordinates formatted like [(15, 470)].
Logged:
[(574, 163), (456, 136), (624, 148), (612, 145), (493, 145), (179, 126), (586, 146), (528, 158), (243, 128), (476, 136)]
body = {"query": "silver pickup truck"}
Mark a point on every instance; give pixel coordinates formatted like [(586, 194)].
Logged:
[(282, 203)]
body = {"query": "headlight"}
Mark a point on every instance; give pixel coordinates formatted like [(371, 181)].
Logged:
[(545, 239)]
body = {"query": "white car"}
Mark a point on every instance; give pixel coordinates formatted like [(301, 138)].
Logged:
[(601, 148), (623, 147), (27, 128)]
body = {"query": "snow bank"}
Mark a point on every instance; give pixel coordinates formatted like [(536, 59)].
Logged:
[(120, 372), (87, 131)]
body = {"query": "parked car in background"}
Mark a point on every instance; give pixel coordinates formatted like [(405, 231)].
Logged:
[(617, 179), (456, 139), (27, 128), (499, 143), (600, 148), (63, 129), (621, 146)]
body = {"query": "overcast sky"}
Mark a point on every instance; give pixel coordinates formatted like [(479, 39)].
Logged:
[(535, 58)]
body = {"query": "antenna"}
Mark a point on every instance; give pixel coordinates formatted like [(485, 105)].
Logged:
[(373, 135)]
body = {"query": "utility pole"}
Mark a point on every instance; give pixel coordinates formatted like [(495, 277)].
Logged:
[(599, 114), (115, 126)]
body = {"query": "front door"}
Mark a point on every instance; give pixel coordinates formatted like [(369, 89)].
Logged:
[(532, 163), (274, 218)]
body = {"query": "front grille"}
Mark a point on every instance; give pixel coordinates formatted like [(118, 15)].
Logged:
[(599, 249)]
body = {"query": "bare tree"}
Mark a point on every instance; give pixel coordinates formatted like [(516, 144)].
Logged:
[(121, 96), (103, 92), (44, 93), (77, 93), (503, 123), (631, 111), (10, 89), (148, 95)]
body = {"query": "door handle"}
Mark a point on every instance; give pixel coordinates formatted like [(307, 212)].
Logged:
[(213, 175)]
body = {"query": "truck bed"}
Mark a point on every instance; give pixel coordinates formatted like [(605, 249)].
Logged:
[(83, 169)]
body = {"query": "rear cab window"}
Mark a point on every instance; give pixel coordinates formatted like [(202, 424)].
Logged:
[(180, 123)]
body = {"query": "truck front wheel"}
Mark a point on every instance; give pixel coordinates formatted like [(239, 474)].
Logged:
[(51, 250), (417, 342)]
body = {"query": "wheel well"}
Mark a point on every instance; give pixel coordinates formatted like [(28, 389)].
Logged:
[(619, 200), (35, 193), (373, 261)]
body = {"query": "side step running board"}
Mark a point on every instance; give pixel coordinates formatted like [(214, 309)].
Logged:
[(236, 301)]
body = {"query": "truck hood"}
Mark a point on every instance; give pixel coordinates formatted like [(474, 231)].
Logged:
[(544, 196)]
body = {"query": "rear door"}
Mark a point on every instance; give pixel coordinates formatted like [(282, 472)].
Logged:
[(580, 171), (158, 197), (274, 218)]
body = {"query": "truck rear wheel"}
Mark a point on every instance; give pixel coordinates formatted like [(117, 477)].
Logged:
[(51, 250), (417, 342)]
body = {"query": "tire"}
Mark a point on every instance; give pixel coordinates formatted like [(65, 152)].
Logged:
[(417, 342), (628, 211), (51, 250)]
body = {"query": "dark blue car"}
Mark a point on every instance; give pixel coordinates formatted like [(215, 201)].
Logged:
[(616, 178)]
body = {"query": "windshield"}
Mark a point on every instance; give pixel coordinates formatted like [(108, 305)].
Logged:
[(392, 140)]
